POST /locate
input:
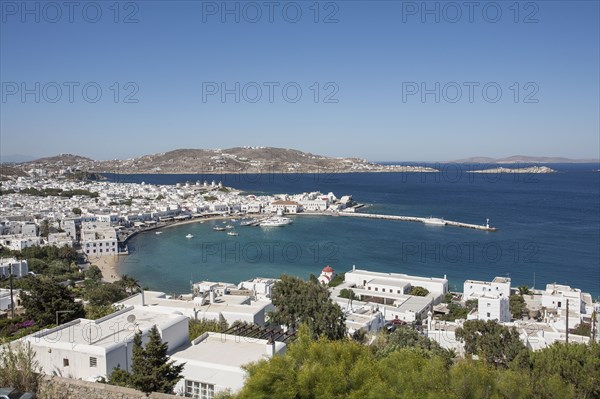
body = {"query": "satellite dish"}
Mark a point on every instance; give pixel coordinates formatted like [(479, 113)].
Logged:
[(131, 318)]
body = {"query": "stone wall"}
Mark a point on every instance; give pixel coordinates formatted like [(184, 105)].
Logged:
[(65, 388)]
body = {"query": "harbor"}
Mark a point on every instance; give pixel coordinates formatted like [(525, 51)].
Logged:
[(428, 221)]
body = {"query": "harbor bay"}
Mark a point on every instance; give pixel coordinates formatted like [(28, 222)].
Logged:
[(547, 231)]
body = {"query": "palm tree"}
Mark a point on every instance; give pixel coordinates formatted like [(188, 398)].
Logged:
[(524, 290), (130, 284)]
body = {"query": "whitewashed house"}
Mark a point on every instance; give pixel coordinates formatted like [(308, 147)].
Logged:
[(19, 268), (492, 298)]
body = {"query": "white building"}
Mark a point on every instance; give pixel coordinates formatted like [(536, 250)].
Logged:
[(492, 298), (88, 349), (284, 207), (554, 305), (377, 283), (213, 362), (317, 204), (19, 242), (5, 301), (498, 287), (327, 274), (261, 288), (19, 268), (99, 241)]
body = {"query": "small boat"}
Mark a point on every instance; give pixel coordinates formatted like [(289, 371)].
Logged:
[(217, 228), (232, 233), (434, 221), (158, 232), (189, 236), (229, 226), (276, 222), (248, 222)]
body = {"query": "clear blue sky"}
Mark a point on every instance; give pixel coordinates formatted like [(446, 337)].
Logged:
[(375, 56)]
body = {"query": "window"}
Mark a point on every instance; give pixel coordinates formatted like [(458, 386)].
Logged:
[(65, 362), (488, 314), (559, 304), (199, 390), (93, 362)]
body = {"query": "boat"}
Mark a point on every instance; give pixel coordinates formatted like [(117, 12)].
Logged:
[(248, 222), (158, 232), (217, 228), (189, 236), (276, 222), (232, 233), (434, 221), (229, 226)]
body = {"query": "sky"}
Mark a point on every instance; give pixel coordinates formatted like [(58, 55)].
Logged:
[(382, 80)]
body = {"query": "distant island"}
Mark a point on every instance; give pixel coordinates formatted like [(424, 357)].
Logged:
[(205, 161), (530, 169), (515, 159)]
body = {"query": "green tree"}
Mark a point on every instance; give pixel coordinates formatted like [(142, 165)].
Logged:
[(199, 327), (47, 297), (151, 368), (407, 337), (93, 273), (298, 301), (496, 344), (419, 291), (18, 367), (524, 290), (130, 284), (104, 294), (516, 304), (576, 365), (76, 211), (44, 228)]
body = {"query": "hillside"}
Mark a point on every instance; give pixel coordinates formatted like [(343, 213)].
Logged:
[(523, 159), (232, 160)]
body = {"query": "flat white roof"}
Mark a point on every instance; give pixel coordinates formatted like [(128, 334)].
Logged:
[(224, 350), (399, 276), (108, 331)]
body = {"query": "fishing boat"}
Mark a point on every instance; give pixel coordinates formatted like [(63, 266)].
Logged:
[(276, 222), (434, 221)]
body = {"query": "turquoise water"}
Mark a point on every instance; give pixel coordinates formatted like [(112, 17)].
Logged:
[(549, 230)]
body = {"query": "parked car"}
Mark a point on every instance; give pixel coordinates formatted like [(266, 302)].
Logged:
[(11, 393)]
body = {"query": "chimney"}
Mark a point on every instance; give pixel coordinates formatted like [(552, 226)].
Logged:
[(212, 296), (143, 299), (270, 348)]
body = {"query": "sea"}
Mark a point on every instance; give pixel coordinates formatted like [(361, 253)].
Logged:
[(548, 229)]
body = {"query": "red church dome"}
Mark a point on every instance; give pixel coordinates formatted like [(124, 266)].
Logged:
[(327, 269)]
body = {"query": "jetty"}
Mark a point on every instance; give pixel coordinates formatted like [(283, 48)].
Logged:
[(485, 227)]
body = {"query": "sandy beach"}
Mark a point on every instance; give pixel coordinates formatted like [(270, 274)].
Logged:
[(108, 266)]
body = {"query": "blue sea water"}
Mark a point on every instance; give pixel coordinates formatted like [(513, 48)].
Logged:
[(548, 230)]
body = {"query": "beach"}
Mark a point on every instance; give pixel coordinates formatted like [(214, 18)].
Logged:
[(108, 266)]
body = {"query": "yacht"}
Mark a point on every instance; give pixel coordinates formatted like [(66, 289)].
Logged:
[(434, 221), (189, 236), (276, 222)]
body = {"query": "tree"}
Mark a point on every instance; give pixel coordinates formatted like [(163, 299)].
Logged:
[(516, 304), (18, 367), (44, 228), (298, 301), (76, 211), (105, 294), (199, 327), (419, 291), (151, 368), (130, 284), (524, 290), (496, 344), (93, 273), (406, 337), (47, 297)]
